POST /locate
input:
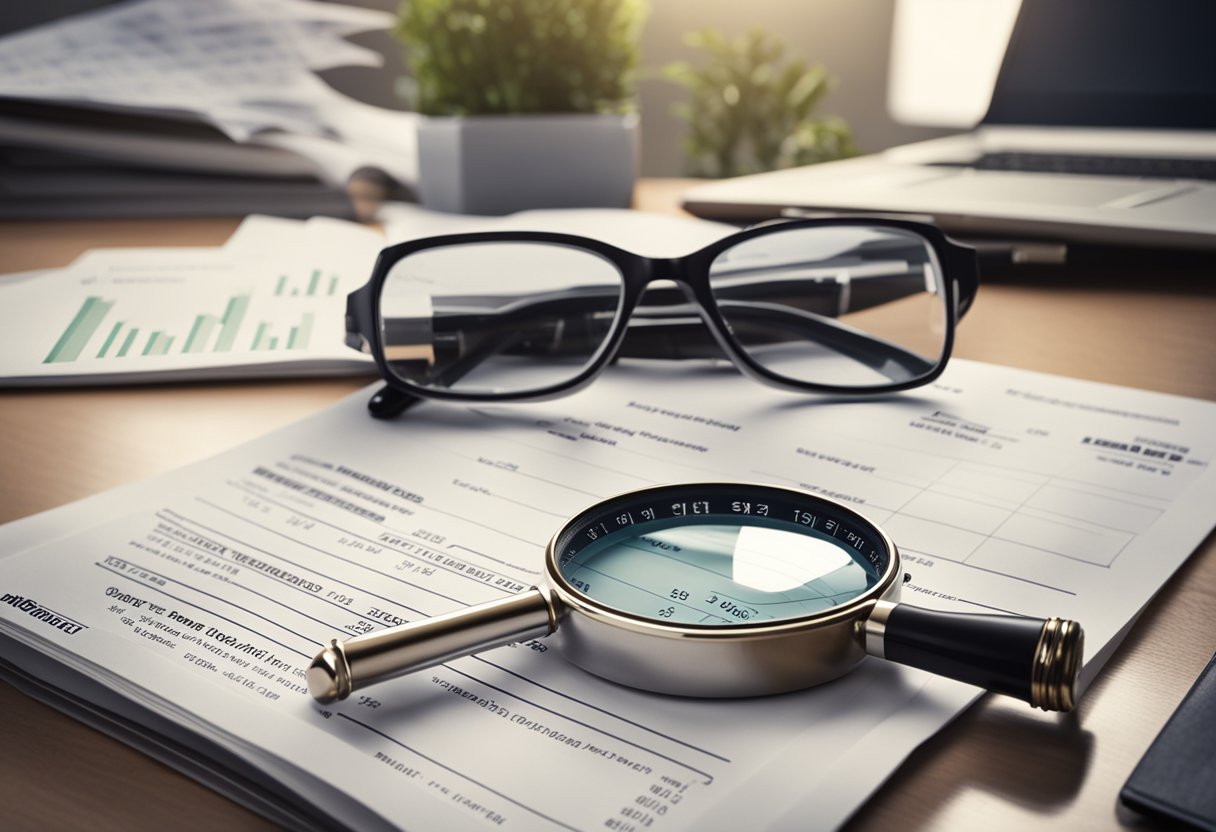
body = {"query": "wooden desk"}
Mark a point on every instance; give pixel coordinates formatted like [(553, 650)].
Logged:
[(999, 766)]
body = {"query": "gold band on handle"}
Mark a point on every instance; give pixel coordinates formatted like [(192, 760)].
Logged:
[(874, 629), (1057, 661)]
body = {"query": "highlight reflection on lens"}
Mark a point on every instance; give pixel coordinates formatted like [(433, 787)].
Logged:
[(718, 574)]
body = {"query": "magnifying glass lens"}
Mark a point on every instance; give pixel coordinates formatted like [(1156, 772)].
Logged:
[(706, 572)]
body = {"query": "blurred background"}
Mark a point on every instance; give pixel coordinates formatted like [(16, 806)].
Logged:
[(851, 39)]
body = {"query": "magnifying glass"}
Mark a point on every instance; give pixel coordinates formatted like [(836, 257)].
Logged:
[(724, 590)]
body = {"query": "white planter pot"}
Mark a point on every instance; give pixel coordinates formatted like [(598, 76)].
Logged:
[(501, 164)]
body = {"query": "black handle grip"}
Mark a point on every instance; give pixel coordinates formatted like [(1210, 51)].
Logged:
[(1033, 659)]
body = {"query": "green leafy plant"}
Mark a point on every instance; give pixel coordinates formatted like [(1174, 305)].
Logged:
[(751, 107), (478, 57)]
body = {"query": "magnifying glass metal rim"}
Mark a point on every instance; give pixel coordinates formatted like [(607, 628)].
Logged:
[(1036, 660), (712, 661)]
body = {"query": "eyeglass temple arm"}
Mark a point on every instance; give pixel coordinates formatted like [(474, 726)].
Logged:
[(388, 402), (675, 331), (688, 338), (837, 297), (833, 298)]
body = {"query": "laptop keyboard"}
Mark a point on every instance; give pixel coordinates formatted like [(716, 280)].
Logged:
[(1149, 167)]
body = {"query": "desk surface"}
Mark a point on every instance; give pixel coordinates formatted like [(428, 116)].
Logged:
[(999, 766)]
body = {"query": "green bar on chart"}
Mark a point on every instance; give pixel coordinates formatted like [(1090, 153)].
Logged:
[(192, 339), (200, 332), (280, 286), (233, 315), (274, 344), (333, 285), (153, 340), (166, 341), (79, 331), (105, 347), (127, 342), (313, 281), (301, 334), (257, 339)]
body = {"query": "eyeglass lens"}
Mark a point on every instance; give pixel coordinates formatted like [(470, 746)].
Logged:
[(850, 306), (497, 317)]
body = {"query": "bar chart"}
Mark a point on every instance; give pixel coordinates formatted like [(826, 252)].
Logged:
[(103, 328), (315, 285), (297, 336), (270, 302)]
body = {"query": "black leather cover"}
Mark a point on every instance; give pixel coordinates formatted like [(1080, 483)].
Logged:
[(1176, 778)]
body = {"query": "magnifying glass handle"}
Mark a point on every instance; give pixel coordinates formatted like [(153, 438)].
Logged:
[(344, 666), (1033, 659)]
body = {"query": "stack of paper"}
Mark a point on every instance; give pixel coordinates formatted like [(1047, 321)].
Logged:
[(155, 107), (180, 613)]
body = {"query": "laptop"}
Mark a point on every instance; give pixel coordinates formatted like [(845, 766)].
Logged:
[(1101, 130)]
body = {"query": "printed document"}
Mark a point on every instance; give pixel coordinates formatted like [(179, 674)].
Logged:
[(189, 606), (269, 302)]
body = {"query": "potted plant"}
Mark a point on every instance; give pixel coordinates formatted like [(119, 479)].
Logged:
[(529, 103), (751, 107)]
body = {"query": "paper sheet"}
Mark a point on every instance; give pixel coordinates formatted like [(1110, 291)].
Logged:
[(270, 302), (642, 232), (204, 593)]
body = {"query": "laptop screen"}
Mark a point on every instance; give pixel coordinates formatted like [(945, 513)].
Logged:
[(1109, 63)]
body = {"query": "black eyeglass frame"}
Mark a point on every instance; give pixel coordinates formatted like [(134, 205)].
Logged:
[(959, 279)]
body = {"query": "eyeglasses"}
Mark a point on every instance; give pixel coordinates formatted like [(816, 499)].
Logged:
[(848, 306)]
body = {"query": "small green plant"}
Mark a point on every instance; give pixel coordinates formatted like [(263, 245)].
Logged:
[(751, 107), (481, 57)]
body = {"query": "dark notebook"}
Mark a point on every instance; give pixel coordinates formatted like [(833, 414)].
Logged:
[(1176, 778)]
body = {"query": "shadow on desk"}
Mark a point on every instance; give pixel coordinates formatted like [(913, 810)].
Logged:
[(1062, 741)]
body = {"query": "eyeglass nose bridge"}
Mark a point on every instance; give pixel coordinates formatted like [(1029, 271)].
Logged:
[(668, 315), (675, 270), (665, 268)]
